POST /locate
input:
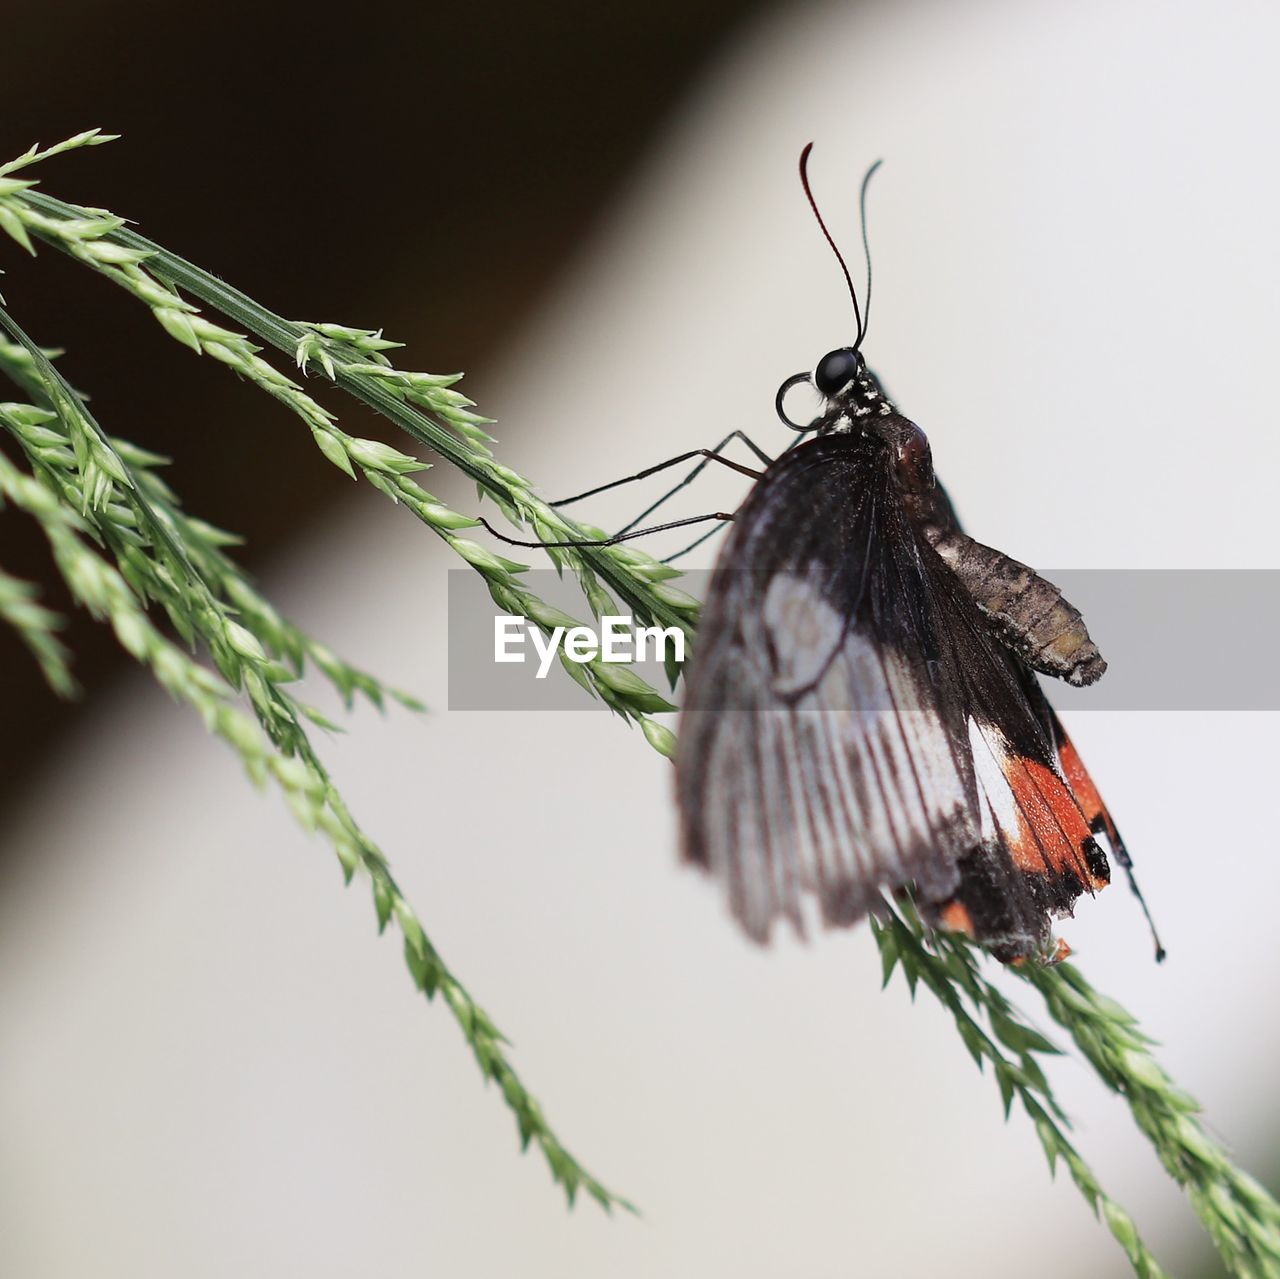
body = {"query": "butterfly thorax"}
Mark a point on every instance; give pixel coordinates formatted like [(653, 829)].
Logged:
[(861, 398), (908, 454), (856, 404)]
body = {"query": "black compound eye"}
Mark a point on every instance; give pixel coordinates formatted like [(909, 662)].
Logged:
[(836, 370)]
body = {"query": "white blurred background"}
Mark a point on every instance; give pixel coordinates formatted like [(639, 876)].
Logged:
[(210, 1063)]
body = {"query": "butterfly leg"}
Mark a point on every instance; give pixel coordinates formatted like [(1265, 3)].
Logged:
[(710, 533), (693, 546), (707, 455), (625, 536)]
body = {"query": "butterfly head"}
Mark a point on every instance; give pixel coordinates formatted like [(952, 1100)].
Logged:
[(837, 369), (850, 389), (851, 393)]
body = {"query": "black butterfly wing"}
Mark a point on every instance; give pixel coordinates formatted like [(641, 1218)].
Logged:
[(851, 726), (1037, 853), (822, 750)]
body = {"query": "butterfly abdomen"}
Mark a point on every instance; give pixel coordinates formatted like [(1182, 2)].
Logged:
[(1029, 614)]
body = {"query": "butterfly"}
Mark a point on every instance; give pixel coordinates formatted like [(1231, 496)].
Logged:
[(862, 714)]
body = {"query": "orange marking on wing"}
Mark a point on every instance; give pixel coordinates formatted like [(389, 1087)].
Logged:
[(1085, 791), (955, 916), (1055, 828), (1080, 782), (1023, 847)]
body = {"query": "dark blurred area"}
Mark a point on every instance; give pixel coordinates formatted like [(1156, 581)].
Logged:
[(423, 168)]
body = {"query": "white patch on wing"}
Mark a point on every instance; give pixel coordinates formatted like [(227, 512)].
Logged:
[(988, 758), (804, 630), (829, 769)]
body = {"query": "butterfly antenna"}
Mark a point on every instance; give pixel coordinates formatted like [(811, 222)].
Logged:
[(813, 204), (866, 249)]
